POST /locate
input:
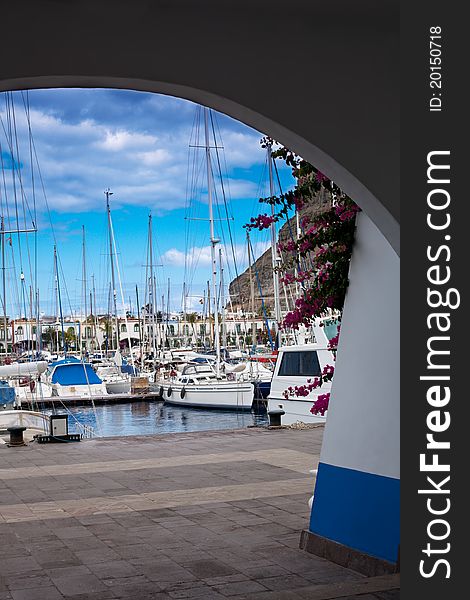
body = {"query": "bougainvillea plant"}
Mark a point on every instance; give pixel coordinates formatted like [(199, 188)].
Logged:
[(318, 259)]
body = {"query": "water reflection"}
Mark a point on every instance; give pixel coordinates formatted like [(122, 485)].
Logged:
[(147, 418)]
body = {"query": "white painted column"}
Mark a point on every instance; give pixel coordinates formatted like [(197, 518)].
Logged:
[(357, 489)]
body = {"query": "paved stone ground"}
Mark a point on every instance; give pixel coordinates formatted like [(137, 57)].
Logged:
[(211, 515)]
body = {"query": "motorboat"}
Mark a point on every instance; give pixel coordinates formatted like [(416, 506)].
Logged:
[(198, 385), (296, 365), (72, 378)]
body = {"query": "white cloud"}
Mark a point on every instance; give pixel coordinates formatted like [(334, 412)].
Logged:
[(200, 256), (196, 255), (144, 167), (174, 257), (119, 140), (153, 158)]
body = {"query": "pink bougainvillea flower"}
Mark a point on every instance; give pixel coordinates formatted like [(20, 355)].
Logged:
[(320, 406)]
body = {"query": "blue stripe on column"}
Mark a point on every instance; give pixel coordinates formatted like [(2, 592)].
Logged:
[(357, 509)]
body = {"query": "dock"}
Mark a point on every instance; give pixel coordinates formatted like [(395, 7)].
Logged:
[(213, 515), (98, 400), (258, 403)]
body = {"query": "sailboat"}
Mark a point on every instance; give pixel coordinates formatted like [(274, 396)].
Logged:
[(206, 384), (116, 382)]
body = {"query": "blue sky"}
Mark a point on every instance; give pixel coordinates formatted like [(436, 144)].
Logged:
[(137, 144)]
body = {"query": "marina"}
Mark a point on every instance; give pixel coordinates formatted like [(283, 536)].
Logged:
[(149, 353)]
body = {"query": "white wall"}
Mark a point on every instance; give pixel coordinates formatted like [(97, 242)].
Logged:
[(362, 430)]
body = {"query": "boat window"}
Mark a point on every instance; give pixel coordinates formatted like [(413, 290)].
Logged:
[(301, 364)]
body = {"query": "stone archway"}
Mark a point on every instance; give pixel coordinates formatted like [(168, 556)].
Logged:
[(320, 78)]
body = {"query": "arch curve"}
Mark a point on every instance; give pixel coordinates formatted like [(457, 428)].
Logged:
[(318, 77)]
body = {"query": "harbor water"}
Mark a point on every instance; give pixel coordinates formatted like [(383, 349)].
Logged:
[(150, 418)]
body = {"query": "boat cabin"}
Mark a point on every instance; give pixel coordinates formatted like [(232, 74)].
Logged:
[(296, 364)]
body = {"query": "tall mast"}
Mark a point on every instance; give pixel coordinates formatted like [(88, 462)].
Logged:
[(84, 290), (152, 292), (108, 193), (92, 322), (121, 291), (138, 321), (214, 242), (252, 291), (109, 322), (168, 314), (158, 325), (30, 336), (277, 304), (208, 316), (4, 286), (184, 314), (38, 326), (204, 303), (222, 301), (56, 282), (163, 333), (59, 301), (95, 320)]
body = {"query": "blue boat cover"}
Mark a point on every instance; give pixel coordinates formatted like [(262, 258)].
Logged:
[(65, 361), (74, 373), (7, 393)]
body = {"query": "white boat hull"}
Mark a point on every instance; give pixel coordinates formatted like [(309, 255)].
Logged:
[(78, 391), (224, 396), (120, 386), (35, 423), (297, 410)]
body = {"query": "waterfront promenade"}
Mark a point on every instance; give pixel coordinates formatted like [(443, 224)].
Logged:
[(208, 515)]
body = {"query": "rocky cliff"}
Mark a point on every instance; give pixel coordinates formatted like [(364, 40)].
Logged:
[(239, 288)]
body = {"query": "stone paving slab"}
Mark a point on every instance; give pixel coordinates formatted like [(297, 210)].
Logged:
[(205, 515)]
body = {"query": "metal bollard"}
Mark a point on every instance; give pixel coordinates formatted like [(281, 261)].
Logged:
[(275, 417), (16, 436)]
